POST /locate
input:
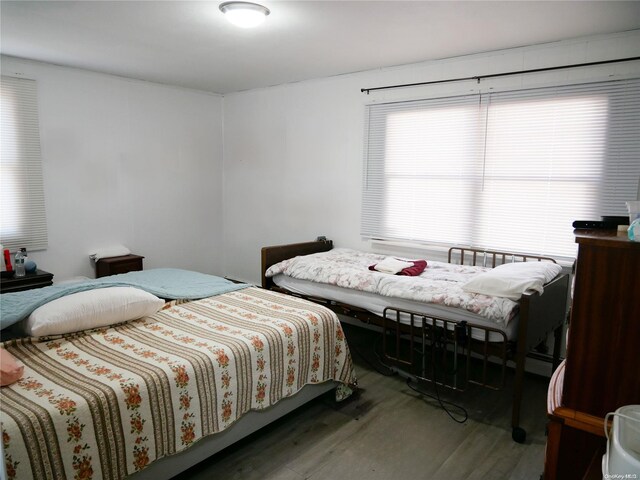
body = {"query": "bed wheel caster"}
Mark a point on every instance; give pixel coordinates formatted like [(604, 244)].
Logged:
[(518, 434)]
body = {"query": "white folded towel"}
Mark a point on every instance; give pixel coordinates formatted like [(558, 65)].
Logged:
[(114, 251), (392, 265)]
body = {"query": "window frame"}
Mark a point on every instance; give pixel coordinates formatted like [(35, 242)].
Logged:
[(23, 220), (616, 89)]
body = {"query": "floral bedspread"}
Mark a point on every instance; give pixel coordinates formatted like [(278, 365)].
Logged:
[(106, 403), (440, 283)]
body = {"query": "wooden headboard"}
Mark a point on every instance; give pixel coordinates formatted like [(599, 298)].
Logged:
[(278, 253)]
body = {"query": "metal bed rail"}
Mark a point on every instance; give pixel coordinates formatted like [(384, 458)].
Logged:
[(460, 255), (442, 351)]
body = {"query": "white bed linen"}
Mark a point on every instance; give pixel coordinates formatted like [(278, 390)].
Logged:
[(377, 303), (440, 283)]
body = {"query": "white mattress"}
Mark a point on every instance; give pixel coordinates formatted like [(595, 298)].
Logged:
[(377, 303)]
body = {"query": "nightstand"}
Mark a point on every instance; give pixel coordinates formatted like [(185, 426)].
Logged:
[(38, 279), (115, 265)]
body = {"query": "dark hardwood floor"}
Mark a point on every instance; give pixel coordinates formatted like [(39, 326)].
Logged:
[(388, 432)]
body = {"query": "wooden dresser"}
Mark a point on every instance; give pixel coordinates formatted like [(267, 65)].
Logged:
[(603, 354)]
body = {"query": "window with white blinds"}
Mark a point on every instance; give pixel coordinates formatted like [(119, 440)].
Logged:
[(22, 211), (509, 170)]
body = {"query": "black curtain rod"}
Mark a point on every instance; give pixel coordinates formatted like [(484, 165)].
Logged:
[(492, 75)]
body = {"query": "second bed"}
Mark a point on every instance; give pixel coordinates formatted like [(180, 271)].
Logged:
[(431, 309)]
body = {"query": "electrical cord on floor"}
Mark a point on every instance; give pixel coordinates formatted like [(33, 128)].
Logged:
[(391, 373), (439, 344), (441, 402)]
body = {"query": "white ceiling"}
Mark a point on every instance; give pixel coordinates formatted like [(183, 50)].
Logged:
[(190, 44)]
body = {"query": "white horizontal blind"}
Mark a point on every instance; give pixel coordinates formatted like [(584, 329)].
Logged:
[(22, 210), (508, 170), (421, 157)]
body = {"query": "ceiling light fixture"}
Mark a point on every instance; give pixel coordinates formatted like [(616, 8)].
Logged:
[(244, 14)]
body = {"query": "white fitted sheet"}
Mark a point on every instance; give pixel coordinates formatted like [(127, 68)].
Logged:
[(377, 303)]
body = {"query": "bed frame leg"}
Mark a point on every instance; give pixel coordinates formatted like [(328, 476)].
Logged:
[(518, 434), (557, 345)]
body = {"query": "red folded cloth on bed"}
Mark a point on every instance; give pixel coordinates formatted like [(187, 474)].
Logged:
[(417, 269)]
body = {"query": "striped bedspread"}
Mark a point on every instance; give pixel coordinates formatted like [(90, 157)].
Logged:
[(106, 403)]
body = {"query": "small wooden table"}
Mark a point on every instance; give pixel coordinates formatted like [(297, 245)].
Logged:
[(38, 279), (115, 265)]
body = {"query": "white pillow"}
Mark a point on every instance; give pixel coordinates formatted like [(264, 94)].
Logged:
[(511, 280), (91, 309), (107, 252)]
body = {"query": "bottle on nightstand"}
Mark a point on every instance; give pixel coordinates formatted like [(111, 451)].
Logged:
[(19, 264)]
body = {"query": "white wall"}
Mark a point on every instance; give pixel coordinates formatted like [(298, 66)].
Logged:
[(293, 153), (127, 162)]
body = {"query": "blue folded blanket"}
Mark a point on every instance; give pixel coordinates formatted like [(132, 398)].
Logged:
[(168, 283)]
